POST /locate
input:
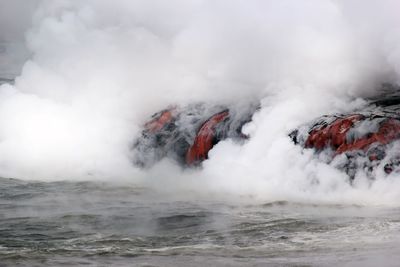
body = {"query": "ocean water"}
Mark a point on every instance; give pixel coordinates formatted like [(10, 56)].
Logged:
[(106, 224)]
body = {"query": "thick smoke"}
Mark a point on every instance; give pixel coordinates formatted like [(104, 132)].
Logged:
[(100, 68)]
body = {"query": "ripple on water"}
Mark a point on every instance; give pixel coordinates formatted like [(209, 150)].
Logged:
[(89, 223)]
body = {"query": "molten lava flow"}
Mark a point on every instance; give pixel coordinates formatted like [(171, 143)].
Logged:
[(388, 131), (205, 138), (160, 120), (186, 134), (334, 135)]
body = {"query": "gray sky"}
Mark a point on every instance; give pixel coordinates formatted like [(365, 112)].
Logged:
[(15, 18)]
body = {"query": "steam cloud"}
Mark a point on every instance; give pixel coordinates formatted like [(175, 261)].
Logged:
[(100, 68)]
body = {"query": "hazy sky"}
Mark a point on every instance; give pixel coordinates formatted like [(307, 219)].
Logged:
[(15, 18)]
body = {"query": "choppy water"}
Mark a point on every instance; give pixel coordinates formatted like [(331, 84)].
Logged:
[(103, 224)]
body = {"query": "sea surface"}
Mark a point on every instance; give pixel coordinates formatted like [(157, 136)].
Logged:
[(105, 224)]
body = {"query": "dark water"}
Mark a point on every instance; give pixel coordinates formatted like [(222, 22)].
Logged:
[(103, 224), (5, 80)]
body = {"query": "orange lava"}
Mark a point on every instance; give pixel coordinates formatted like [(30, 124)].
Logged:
[(334, 135), (204, 140), (158, 123)]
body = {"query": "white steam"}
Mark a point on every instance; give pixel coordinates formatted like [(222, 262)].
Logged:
[(100, 68)]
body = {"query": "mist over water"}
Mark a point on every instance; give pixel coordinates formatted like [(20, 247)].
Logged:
[(99, 69)]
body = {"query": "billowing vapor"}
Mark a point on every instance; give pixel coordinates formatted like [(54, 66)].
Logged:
[(100, 68)]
